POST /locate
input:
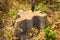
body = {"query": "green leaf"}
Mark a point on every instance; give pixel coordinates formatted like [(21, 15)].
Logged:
[(12, 12)]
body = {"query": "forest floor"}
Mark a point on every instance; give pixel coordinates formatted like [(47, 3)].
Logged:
[(53, 16)]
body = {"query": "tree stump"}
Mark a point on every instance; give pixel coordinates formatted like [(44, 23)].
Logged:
[(28, 20)]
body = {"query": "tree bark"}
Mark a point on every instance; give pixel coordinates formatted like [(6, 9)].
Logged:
[(43, 22)]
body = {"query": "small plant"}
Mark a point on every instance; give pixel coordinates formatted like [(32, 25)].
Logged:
[(42, 7), (49, 34), (12, 12), (38, 7), (3, 20), (35, 38), (34, 33), (8, 34)]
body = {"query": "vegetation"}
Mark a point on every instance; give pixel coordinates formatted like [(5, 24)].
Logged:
[(49, 34), (8, 34), (34, 33)]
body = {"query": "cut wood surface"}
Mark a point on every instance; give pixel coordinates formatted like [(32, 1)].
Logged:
[(29, 15)]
